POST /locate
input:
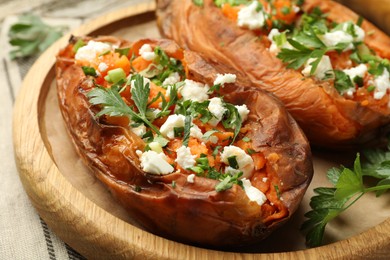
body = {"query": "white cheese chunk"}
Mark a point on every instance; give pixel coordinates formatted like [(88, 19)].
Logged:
[(171, 79), (243, 111), (155, 163), (253, 193), (196, 132), (244, 161), (323, 68), (341, 35), (139, 130), (274, 48), (217, 109), (250, 17), (231, 171), (184, 157), (191, 178), (91, 51), (167, 129), (147, 52), (225, 78), (382, 84), (358, 71), (102, 67), (194, 91), (173, 121)]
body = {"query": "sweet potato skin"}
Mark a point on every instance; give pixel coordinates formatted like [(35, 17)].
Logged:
[(327, 118), (190, 212)]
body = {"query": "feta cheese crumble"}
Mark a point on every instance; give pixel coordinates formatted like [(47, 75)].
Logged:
[(173, 121), (90, 51), (194, 91), (251, 17), (155, 163), (244, 161), (340, 34), (171, 79), (147, 53), (276, 47), (243, 111), (139, 130), (167, 129), (358, 71), (253, 193), (217, 109), (184, 157), (196, 132), (191, 178), (323, 68), (102, 67), (225, 78), (382, 84)]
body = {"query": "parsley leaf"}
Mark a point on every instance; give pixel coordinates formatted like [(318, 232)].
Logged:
[(328, 203), (113, 104), (342, 81), (187, 130), (140, 94), (295, 57), (232, 119), (31, 36)]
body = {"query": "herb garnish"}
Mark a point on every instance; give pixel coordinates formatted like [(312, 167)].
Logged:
[(228, 181), (348, 187), (89, 71), (113, 104), (32, 36)]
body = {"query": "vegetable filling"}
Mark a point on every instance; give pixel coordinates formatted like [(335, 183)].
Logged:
[(319, 48), (186, 125)]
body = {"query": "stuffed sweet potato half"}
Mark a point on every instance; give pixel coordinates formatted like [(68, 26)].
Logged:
[(191, 155), (329, 67)]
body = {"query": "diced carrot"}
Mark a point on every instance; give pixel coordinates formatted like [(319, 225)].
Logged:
[(175, 144), (230, 12), (124, 63), (154, 90), (259, 160), (224, 138), (197, 148), (282, 5), (140, 64)]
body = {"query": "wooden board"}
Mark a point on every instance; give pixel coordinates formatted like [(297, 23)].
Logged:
[(82, 213)]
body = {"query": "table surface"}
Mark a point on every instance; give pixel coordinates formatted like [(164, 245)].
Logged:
[(24, 235)]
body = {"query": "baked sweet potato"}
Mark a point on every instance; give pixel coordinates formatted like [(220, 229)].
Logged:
[(207, 197), (329, 68)]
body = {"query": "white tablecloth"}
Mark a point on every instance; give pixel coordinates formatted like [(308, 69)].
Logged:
[(23, 234)]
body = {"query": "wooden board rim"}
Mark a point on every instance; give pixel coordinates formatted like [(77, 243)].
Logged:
[(82, 224)]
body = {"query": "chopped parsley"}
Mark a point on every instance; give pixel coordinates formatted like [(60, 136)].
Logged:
[(89, 71)]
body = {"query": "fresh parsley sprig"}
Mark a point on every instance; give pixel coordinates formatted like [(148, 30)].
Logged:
[(232, 119), (113, 104), (30, 36), (348, 187)]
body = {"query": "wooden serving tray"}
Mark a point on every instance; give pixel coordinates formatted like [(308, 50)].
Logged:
[(83, 214)]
